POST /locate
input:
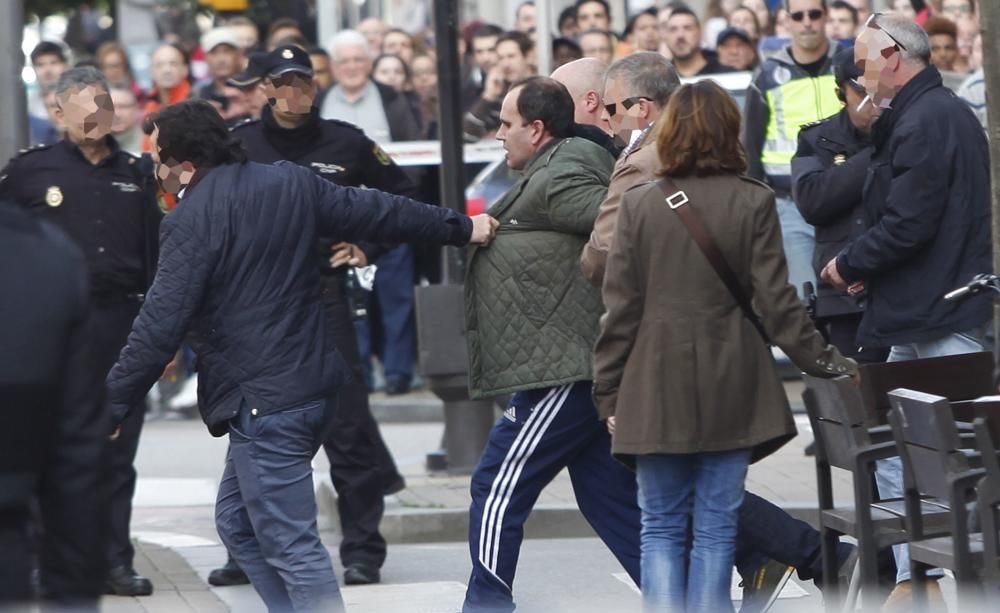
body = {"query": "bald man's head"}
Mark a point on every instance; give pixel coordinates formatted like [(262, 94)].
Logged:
[(584, 78)]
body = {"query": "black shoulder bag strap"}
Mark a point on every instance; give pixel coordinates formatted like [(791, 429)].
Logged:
[(676, 199)]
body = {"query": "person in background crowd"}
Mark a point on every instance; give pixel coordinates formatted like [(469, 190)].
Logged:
[(568, 27), (930, 230), (689, 433), (390, 70), (905, 8), (842, 21), (47, 131), (225, 59), (373, 29), (112, 60), (322, 72), (247, 32), (597, 44), (524, 18), (736, 49), (593, 15), (564, 51), (398, 42), (280, 30), (253, 96), (425, 85), (48, 61), (973, 90), (641, 33), (54, 524), (104, 199), (777, 105), (126, 127), (169, 67), (959, 10), (864, 9), (484, 58), (716, 20), (745, 19), (943, 35), (968, 29), (683, 39), (828, 177), (515, 58), (765, 18)]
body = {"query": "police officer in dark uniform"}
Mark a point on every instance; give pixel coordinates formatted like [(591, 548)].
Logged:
[(828, 176), (105, 200), (290, 129)]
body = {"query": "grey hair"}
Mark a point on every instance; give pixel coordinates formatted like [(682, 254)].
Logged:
[(348, 38), (79, 78), (908, 34), (647, 74)]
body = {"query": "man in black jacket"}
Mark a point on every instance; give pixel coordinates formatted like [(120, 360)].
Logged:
[(53, 443), (239, 275), (828, 176), (928, 202)]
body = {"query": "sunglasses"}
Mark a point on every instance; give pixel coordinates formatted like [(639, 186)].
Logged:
[(627, 103), (873, 24), (814, 15)]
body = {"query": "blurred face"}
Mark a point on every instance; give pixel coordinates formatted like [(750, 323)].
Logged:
[(237, 103), (644, 32), (683, 36), (114, 68), (126, 111), (944, 51), (512, 62), (968, 30), (246, 34), (398, 43), (87, 113), (623, 120), (976, 56), (224, 61), (854, 94), (904, 8), (290, 94), (864, 12), (807, 24), (525, 20), (568, 27), (48, 69), (374, 31), (352, 67), (52, 108), (956, 10), (520, 140), (484, 52), (389, 71), (168, 67), (840, 24), (172, 174), (322, 73), (878, 56), (759, 8), (744, 19), (735, 52), (564, 54), (281, 34), (596, 45), (592, 16), (424, 75)]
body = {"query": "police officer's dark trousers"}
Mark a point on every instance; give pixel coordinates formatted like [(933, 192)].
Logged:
[(361, 467), (266, 509), (542, 432), (112, 316)]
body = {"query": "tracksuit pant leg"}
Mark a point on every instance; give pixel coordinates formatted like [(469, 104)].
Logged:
[(542, 432)]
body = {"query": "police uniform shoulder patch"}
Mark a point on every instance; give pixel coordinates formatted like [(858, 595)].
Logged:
[(811, 124), (380, 155)]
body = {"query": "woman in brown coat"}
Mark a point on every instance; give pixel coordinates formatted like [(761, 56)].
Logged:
[(686, 380)]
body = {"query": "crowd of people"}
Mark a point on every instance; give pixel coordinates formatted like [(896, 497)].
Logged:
[(627, 333)]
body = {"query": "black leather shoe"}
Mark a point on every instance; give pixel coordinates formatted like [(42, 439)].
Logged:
[(123, 581), (361, 574), (230, 574)]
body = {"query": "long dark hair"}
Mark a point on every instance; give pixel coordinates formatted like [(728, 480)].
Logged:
[(192, 131)]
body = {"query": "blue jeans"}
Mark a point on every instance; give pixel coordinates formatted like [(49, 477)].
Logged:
[(393, 291), (799, 241), (889, 473), (266, 509), (703, 491)]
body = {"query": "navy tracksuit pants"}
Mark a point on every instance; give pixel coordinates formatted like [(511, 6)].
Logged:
[(542, 432)]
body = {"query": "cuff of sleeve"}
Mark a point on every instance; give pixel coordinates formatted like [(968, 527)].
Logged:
[(846, 271), (461, 232)]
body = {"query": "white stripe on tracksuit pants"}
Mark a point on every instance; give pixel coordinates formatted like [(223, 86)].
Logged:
[(542, 432)]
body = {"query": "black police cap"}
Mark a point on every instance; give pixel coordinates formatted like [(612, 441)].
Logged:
[(844, 67), (284, 59)]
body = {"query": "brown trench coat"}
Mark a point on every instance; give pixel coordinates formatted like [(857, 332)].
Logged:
[(677, 362)]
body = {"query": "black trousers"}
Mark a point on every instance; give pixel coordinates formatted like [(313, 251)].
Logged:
[(361, 467), (842, 332), (111, 325)]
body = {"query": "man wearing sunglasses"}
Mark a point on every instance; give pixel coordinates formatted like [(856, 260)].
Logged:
[(793, 88)]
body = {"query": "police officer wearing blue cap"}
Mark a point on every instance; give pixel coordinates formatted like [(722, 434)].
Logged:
[(828, 176), (361, 466)]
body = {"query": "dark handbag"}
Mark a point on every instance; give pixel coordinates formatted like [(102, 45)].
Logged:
[(677, 200)]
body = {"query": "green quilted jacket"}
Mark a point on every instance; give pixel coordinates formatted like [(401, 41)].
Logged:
[(531, 318)]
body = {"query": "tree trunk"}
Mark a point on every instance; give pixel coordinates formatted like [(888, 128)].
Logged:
[(990, 24)]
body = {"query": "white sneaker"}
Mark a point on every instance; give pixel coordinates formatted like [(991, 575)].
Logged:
[(187, 398)]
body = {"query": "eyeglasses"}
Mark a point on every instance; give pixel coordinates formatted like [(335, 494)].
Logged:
[(627, 103), (873, 24), (814, 15)]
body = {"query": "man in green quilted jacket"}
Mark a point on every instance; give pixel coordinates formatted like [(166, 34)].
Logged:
[(531, 322)]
